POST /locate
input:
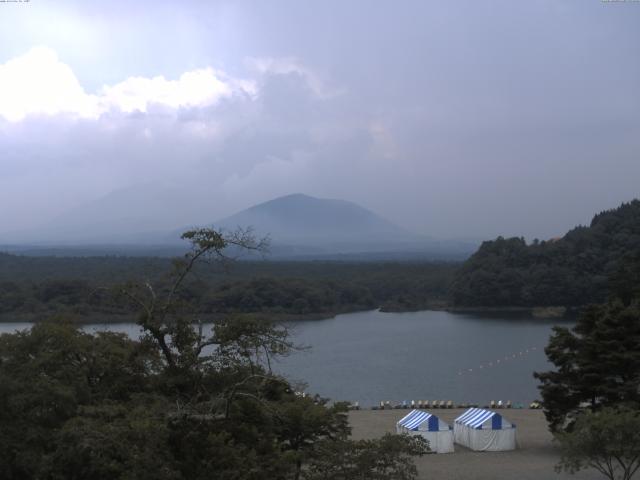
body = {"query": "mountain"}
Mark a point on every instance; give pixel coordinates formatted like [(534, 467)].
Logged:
[(125, 222), (137, 215), (301, 219), (141, 220), (306, 227), (580, 268)]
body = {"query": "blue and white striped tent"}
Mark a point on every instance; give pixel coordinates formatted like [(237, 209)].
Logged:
[(420, 422), (484, 430)]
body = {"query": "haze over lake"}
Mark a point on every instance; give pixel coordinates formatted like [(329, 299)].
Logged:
[(373, 356)]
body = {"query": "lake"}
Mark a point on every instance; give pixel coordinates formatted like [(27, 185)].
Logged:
[(428, 355)]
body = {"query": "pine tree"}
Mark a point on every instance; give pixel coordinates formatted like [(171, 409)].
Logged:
[(597, 363)]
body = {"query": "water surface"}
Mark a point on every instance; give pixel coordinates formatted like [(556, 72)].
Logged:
[(428, 355)]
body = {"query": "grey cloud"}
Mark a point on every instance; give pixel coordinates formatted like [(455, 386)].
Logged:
[(462, 118)]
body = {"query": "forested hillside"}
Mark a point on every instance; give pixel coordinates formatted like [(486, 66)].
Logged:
[(34, 288), (574, 270)]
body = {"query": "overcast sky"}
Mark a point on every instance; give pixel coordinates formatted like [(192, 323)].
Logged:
[(451, 118)]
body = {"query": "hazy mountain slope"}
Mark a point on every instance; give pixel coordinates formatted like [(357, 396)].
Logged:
[(141, 214), (305, 227), (132, 220), (301, 219)]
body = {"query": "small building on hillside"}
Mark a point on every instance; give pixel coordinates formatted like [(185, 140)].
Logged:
[(484, 430), (420, 422)]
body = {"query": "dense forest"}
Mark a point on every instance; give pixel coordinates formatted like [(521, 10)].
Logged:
[(574, 270), (34, 288)]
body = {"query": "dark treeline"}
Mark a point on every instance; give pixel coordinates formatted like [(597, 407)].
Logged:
[(574, 270), (32, 288)]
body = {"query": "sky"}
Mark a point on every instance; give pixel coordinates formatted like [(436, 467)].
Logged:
[(455, 119)]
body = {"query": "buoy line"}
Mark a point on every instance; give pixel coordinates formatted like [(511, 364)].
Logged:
[(499, 361)]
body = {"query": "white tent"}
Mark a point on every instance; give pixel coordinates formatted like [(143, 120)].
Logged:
[(427, 425), (484, 430)]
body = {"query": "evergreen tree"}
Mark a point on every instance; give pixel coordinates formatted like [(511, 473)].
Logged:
[(597, 363)]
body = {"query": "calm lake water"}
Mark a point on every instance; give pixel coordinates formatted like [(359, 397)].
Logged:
[(373, 356)]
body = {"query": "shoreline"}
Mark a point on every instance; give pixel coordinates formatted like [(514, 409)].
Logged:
[(538, 313), (550, 312), (118, 319)]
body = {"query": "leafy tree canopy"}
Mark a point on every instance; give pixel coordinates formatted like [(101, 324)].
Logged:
[(179, 403), (608, 441)]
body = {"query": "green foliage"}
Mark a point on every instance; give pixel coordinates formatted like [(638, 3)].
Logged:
[(180, 403), (625, 282), (123, 440), (33, 288), (303, 422), (571, 271), (297, 296), (607, 440), (597, 363), (389, 457), (48, 375)]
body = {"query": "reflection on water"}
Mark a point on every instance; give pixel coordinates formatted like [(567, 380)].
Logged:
[(429, 355)]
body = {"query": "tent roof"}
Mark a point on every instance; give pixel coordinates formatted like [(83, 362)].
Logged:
[(475, 417), (414, 419)]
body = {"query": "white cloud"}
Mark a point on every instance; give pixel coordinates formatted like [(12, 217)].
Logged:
[(38, 83), (222, 140), (197, 88)]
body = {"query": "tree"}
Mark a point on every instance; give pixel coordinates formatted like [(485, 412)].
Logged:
[(162, 313), (625, 282), (179, 403), (126, 440), (607, 440), (54, 374), (597, 364), (303, 422), (389, 457), (571, 271)]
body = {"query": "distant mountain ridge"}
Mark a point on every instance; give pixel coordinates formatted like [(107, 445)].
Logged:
[(127, 216), (299, 226), (299, 218), (305, 227)]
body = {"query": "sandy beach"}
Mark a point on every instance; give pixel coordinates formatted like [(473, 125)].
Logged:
[(534, 459)]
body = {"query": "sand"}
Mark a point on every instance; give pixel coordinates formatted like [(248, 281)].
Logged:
[(533, 460)]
